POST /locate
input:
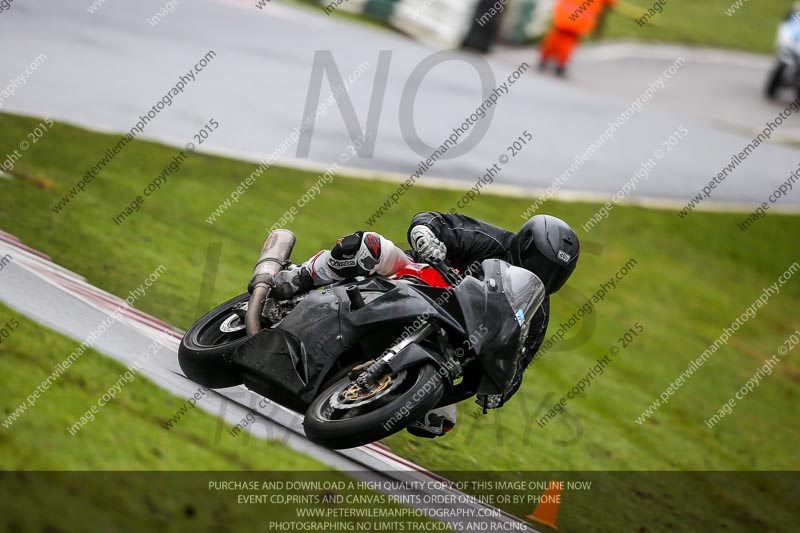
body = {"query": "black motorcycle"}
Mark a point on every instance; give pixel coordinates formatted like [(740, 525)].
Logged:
[(365, 358)]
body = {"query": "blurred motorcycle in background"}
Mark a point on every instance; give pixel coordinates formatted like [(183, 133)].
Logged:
[(786, 72)]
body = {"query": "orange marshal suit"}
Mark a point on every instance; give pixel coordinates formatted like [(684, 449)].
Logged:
[(572, 19)]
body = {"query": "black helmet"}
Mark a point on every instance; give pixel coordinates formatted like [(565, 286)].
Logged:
[(549, 248)]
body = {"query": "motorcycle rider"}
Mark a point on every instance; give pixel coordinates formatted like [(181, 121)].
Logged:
[(544, 245), (785, 71)]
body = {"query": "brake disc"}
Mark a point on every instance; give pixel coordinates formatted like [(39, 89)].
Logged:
[(351, 395), (232, 324)]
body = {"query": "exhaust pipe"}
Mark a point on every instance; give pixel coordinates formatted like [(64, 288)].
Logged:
[(274, 254)]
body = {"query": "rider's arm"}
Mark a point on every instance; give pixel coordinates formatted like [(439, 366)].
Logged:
[(392, 260), (467, 240)]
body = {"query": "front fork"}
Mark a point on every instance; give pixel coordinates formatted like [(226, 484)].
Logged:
[(404, 354)]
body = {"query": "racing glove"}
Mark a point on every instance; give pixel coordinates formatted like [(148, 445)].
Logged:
[(425, 243)]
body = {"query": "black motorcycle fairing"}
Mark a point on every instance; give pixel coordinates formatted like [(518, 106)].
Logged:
[(485, 307), (313, 335), (283, 375), (289, 363), (394, 302)]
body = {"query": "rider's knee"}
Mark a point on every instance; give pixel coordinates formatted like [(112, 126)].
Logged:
[(357, 254)]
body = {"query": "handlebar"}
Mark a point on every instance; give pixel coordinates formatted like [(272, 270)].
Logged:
[(448, 273)]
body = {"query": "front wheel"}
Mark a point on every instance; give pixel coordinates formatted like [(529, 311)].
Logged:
[(345, 416)]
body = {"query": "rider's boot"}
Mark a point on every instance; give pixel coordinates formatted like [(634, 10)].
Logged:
[(287, 283), (435, 423)]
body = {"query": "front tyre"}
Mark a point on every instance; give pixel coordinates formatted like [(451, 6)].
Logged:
[(216, 334), (343, 416)]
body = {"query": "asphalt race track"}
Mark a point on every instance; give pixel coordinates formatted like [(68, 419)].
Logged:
[(104, 70), (63, 301)]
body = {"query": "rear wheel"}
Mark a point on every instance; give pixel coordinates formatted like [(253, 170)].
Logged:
[(346, 416), (218, 333)]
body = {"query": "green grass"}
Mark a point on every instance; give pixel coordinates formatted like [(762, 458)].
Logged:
[(705, 22), (39, 440), (134, 474), (692, 278)]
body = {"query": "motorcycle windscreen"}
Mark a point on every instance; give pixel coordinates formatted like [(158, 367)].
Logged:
[(523, 289), (497, 314), (492, 332)]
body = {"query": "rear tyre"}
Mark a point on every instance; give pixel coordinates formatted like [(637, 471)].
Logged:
[(218, 333), (335, 422)]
